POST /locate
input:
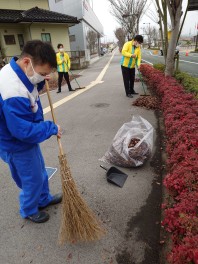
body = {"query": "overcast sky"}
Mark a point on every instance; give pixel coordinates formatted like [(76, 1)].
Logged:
[(102, 8)]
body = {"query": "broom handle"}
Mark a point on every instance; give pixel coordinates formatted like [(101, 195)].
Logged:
[(103, 167), (53, 116), (141, 82), (73, 75)]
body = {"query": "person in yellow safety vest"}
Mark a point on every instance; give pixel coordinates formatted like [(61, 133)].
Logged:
[(131, 57), (63, 66)]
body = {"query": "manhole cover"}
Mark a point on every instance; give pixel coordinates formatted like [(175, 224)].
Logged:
[(100, 105)]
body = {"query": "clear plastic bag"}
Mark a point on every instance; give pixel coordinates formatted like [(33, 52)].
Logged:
[(132, 145)]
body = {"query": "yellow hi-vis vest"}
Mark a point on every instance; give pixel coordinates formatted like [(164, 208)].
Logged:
[(127, 50), (63, 66)]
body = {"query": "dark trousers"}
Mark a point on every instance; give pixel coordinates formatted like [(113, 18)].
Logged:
[(60, 78), (128, 78)]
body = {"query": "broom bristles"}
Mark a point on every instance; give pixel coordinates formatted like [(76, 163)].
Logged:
[(78, 222)]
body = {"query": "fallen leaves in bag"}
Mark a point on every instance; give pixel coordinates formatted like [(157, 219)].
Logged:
[(139, 153), (133, 142), (149, 102), (136, 154)]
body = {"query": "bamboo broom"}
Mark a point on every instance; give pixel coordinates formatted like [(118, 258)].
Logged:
[(78, 222)]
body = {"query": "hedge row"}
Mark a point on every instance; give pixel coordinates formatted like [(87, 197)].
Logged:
[(189, 82), (180, 112)]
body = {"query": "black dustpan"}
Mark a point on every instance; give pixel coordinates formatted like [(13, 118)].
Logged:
[(115, 176)]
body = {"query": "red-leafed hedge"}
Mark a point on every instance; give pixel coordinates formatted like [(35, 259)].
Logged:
[(180, 112)]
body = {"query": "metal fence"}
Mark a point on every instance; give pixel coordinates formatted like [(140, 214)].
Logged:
[(79, 59)]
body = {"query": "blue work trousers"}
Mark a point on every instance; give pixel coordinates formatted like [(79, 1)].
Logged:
[(28, 171)]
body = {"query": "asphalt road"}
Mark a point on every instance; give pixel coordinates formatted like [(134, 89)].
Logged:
[(188, 64), (90, 119)]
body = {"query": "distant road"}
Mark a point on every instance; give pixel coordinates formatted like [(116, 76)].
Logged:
[(188, 64)]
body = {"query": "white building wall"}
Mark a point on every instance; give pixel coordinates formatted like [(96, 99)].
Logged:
[(90, 17), (82, 9), (77, 31), (68, 7)]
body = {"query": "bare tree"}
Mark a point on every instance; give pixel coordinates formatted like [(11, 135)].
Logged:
[(173, 8), (163, 24), (121, 36), (128, 14), (91, 40), (155, 36), (153, 15), (152, 34), (175, 12)]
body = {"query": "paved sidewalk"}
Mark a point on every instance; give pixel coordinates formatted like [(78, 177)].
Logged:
[(131, 215)]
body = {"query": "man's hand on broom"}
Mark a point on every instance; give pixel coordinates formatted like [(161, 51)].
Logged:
[(47, 77), (59, 132)]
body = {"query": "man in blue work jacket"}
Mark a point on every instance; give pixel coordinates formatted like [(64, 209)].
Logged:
[(22, 127)]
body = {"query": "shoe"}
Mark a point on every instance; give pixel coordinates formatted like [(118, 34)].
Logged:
[(58, 91), (55, 200), (38, 218), (129, 95), (72, 90), (134, 93)]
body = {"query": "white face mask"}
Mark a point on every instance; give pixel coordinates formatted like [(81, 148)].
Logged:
[(137, 44), (61, 50), (35, 78)]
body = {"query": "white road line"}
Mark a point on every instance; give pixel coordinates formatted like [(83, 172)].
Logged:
[(92, 84), (189, 62), (155, 55), (148, 62), (179, 60)]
